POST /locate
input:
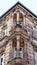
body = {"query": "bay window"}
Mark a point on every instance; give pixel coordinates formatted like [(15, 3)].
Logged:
[(18, 52)]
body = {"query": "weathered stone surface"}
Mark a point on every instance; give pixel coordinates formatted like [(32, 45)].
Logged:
[(19, 22)]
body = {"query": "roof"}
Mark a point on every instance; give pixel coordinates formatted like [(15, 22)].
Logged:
[(22, 6)]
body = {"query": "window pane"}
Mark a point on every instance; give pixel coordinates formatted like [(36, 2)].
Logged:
[(21, 53), (1, 61), (15, 52)]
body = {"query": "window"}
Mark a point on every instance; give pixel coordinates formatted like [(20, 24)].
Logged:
[(21, 53), (14, 42), (2, 60), (18, 52), (4, 31), (21, 19), (14, 19), (15, 49)]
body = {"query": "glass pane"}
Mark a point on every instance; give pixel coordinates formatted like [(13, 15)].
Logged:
[(15, 52), (1, 61), (21, 53), (3, 33)]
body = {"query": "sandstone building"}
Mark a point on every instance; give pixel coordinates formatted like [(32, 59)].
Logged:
[(18, 36)]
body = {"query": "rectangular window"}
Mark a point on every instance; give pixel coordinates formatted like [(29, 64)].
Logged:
[(21, 53), (2, 60), (15, 49), (4, 31)]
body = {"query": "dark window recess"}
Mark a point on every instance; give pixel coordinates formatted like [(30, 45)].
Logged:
[(1, 60), (21, 53), (21, 17), (14, 42), (3, 33), (15, 17), (18, 25)]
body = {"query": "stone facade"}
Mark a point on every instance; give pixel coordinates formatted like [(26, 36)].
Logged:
[(18, 37)]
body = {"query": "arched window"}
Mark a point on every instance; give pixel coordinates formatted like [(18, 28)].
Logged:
[(14, 42), (18, 52), (21, 19), (14, 19)]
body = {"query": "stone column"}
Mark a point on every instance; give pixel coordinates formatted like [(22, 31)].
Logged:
[(25, 50), (17, 16), (18, 45)]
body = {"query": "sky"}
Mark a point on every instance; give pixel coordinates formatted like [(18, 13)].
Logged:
[(7, 4)]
